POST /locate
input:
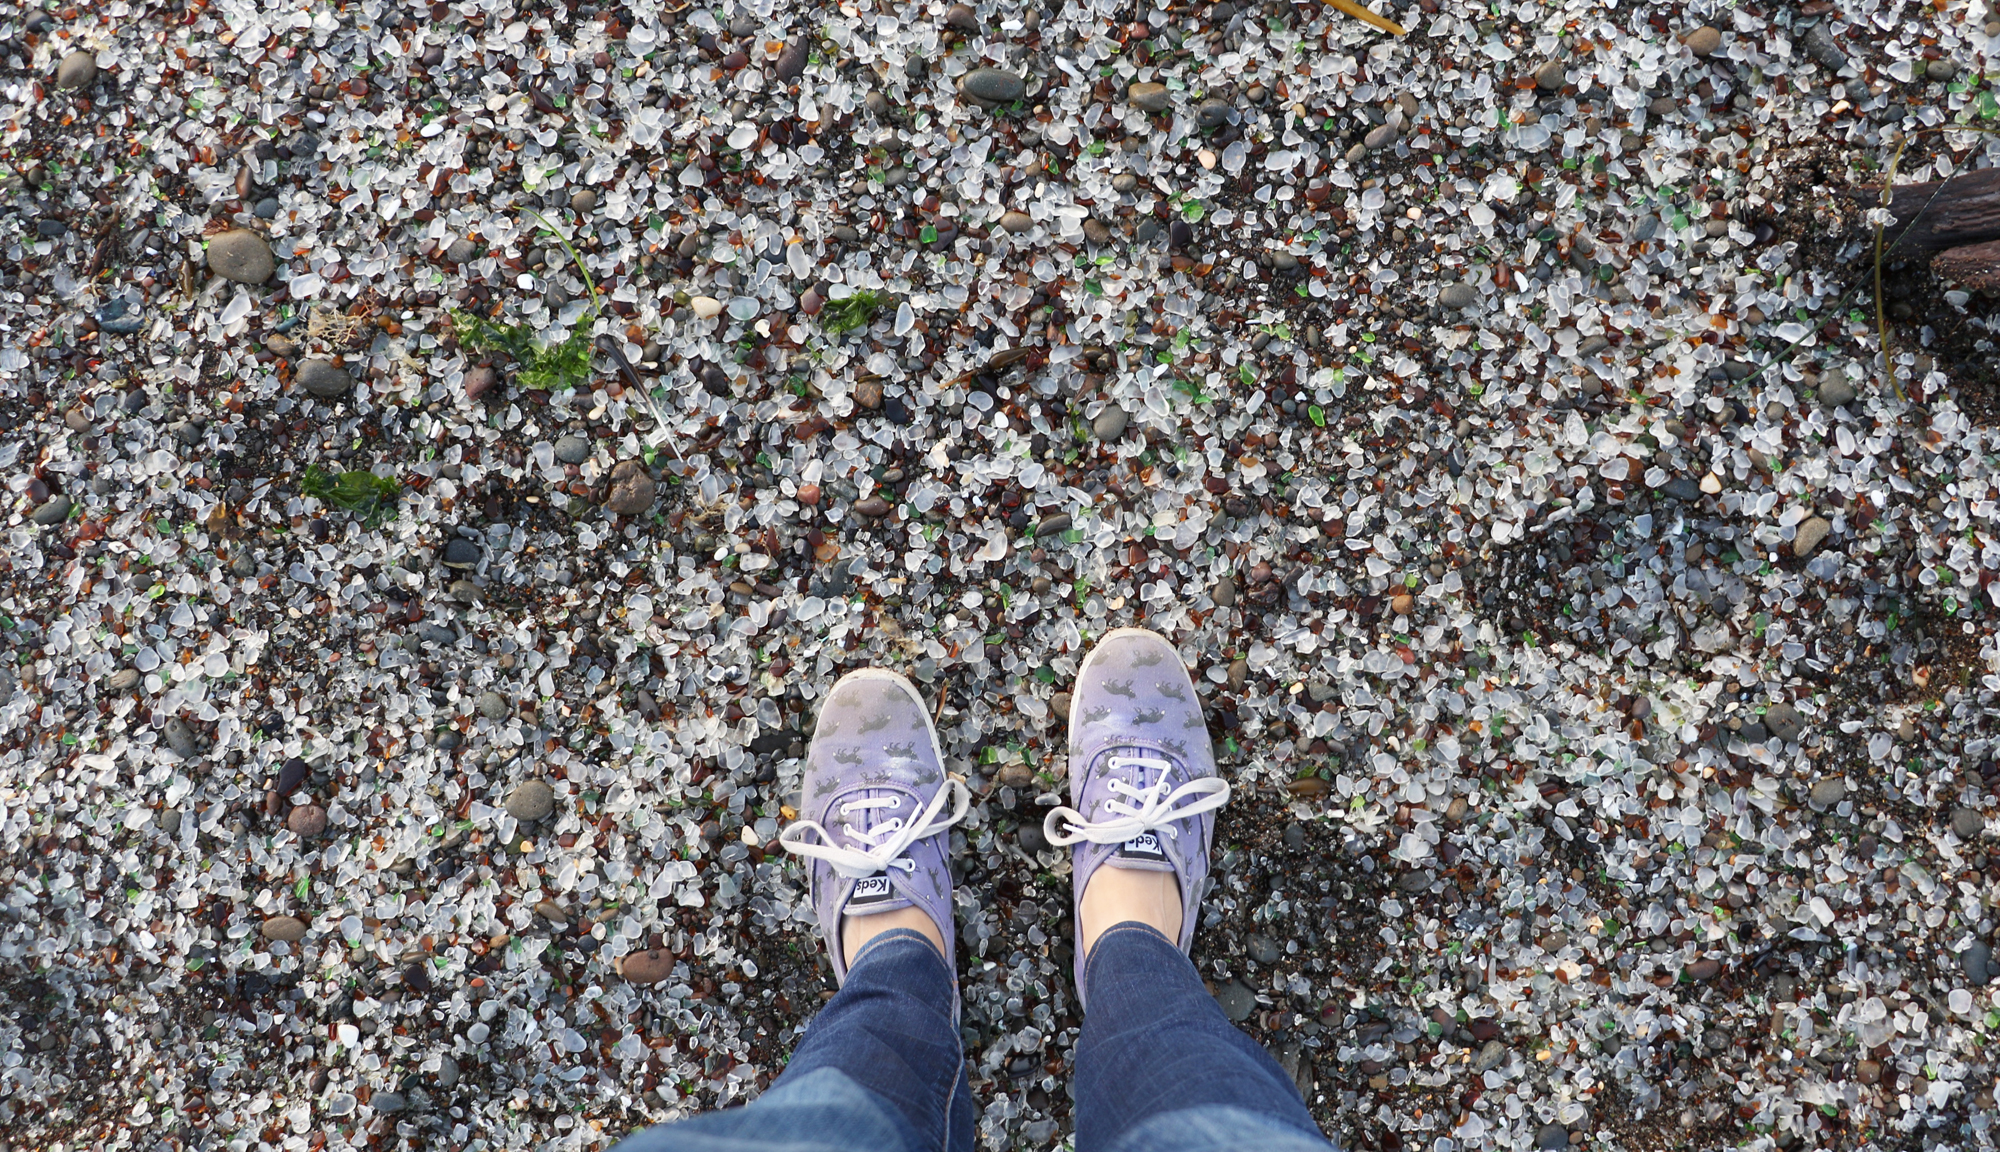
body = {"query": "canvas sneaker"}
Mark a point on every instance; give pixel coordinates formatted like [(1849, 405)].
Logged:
[(1141, 773), (876, 809)]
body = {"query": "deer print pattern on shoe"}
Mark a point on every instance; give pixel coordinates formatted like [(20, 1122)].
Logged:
[(876, 809), (1142, 773)]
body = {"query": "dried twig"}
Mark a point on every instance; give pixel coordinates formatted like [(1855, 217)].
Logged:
[(1365, 16)]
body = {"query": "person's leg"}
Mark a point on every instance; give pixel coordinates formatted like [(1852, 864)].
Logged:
[(1160, 1068), (878, 1069)]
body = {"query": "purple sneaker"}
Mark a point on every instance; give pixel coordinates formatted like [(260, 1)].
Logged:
[(1141, 772), (874, 788)]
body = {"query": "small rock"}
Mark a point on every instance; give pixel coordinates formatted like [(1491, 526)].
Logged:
[(170, 822), (389, 1103), (122, 680), (868, 394), (1149, 97), (1836, 393), (1977, 961), (572, 449), (1262, 949), (1031, 838), (1967, 822), (553, 912), (54, 511), (1704, 969), (873, 507), (460, 251), (1124, 182), (493, 706), (1868, 1071), (290, 929), (1552, 76), (1110, 423), (1059, 707), (1213, 113), (1458, 296), (648, 967), (479, 381), (1017, 222), (961, 17), (1827, 793), (1704, 41), (1381, 136), (706, 307), (1810, 533), (447, 1073), (1942, 71), (1821, 46), (1490, 1056), (1053, 525), (791, 61), (324, 379), (306, 820), (531, 800), (1225, 592), (993, 84), (631, 491), (1239, 673), (1682, 488), (1784, 722), (1237, 1001), (1295, 836), (241, 256), (460, 553), (1096, 232), (77, 70), (1552, 1137), (1015, 775), (583, 202), (180, 737)]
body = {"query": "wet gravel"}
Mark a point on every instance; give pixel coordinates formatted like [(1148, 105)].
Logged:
[(393, 744)]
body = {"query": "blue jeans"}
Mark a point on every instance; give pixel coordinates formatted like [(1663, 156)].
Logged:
[(1159, 1068)]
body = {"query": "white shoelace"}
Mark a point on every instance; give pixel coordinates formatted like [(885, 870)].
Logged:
[(884, 844), (1157, 808)]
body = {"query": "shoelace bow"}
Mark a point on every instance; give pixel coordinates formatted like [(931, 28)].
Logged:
[(884, 844), (1157, 808)]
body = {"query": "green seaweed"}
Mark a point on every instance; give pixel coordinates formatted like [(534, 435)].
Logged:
[(364, 493), (563, 365), (857, 311)]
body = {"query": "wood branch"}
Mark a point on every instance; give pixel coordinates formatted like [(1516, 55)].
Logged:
[(1941, 214), (1975, 266)]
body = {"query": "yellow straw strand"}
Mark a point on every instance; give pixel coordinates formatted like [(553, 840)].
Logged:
[(1359, 13)]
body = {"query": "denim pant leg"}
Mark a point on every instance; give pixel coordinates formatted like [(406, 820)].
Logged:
[(1159, 1068), (880, 1069)]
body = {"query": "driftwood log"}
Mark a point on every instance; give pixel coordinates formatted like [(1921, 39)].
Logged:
[(1955, 222), (1972, 266)]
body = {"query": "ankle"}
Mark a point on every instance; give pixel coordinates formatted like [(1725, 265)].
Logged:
[(857, 931), (1118, 895)]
